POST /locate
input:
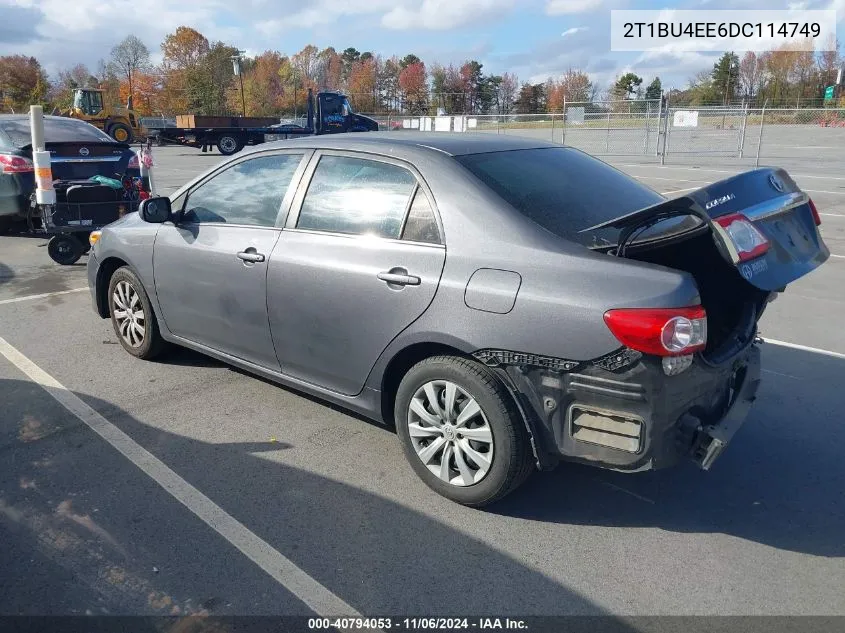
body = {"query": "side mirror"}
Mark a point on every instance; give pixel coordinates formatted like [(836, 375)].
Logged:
[(155, 210)]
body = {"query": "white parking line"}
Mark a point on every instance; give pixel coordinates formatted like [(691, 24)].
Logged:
[(804, 348), (837, 256), (835, 193), (41, 296), (666, 193), (716, 171), (277, 566)]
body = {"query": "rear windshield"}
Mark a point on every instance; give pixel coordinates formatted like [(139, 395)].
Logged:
[(561, 189), (55, 131)]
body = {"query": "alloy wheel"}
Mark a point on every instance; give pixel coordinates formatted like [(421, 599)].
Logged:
[(450, 433), (129, 314)]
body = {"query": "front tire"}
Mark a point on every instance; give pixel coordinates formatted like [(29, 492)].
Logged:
[(461, 432), (132, 315), (121, 133)]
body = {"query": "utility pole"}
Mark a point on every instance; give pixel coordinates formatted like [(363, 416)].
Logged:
[(236, 65)]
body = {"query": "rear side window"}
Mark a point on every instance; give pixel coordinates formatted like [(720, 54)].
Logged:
[(561, 189), (421, 225), (357, 196), (58, 130)]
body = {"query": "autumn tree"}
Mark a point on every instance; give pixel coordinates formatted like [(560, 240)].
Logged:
[(146, 89), (183, 53), (263, 87), (388, 83), (22, 82), (330, 70), (206, 88), (361, 84), (129, 57), (413, 81)]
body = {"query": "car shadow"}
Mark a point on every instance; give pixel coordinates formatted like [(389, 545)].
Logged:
[(378, 555), (779, 483), (6, 274)]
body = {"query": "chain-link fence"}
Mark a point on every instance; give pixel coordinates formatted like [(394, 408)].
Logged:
[(657, 133)]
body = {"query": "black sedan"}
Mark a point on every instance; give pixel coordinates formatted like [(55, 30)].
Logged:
[(78, 151)]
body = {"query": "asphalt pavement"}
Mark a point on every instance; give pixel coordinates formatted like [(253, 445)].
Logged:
[(186, 486)]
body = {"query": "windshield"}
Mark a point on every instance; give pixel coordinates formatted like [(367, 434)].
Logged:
[(561, 189), (347, 106), (56, 130)]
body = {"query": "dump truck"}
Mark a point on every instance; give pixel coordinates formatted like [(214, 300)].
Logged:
[(327, 113)]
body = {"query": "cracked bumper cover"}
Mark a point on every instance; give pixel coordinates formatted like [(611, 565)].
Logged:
[(662, 419)]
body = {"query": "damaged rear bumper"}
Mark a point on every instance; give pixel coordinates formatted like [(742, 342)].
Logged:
[(634, 417)]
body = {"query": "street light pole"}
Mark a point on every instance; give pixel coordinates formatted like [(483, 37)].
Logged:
[(236, 65)]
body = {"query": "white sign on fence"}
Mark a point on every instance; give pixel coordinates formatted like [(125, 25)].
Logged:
[(415, 124), (575, 115), (472, 123), (426, 124), (685, 118), (443, 124), (406, 124)]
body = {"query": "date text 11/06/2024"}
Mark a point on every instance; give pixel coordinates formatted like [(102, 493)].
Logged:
[(417, 624), (713, 30)]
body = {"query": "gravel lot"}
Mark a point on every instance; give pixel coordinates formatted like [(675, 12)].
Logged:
[(329, 496)]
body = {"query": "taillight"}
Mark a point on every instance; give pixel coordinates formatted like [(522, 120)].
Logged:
[(747, 240), (660, 331), (816, 217), (134, 163), (11, 164)]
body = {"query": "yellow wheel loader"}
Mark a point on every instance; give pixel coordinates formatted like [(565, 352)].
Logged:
[(122, 124)]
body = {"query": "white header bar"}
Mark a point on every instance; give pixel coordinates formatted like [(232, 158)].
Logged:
[(676, 31)]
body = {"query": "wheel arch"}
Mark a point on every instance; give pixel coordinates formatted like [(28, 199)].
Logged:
[(403, 359), (104, 274)]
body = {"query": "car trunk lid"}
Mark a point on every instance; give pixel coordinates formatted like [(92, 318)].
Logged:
[(74, 160), (764, 225)]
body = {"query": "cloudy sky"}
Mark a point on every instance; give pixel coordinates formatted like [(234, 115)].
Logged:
[(532, 38)]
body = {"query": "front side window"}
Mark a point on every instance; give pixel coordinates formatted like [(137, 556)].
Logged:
[(248, 193), (357, 196)]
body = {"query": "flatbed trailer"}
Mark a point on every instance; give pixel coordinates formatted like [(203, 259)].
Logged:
[(334, 115), (227, 140)]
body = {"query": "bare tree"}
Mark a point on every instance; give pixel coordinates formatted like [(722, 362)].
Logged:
[(750, 74), (128, 57)]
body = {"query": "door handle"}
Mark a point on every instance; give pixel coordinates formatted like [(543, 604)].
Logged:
[(399, 277), (251, 255)]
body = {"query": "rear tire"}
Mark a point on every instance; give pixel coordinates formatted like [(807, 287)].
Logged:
[(228, 145), (65, 249), (475, 422), (132, 316)]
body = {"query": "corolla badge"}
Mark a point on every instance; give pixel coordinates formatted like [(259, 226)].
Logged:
[(777, 183), (720, 200), (83, 151)]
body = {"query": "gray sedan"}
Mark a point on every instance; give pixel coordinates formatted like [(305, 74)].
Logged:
[(506, 303)]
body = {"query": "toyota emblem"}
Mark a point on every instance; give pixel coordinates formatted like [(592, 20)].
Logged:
[(777, 183), (83, 151)]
